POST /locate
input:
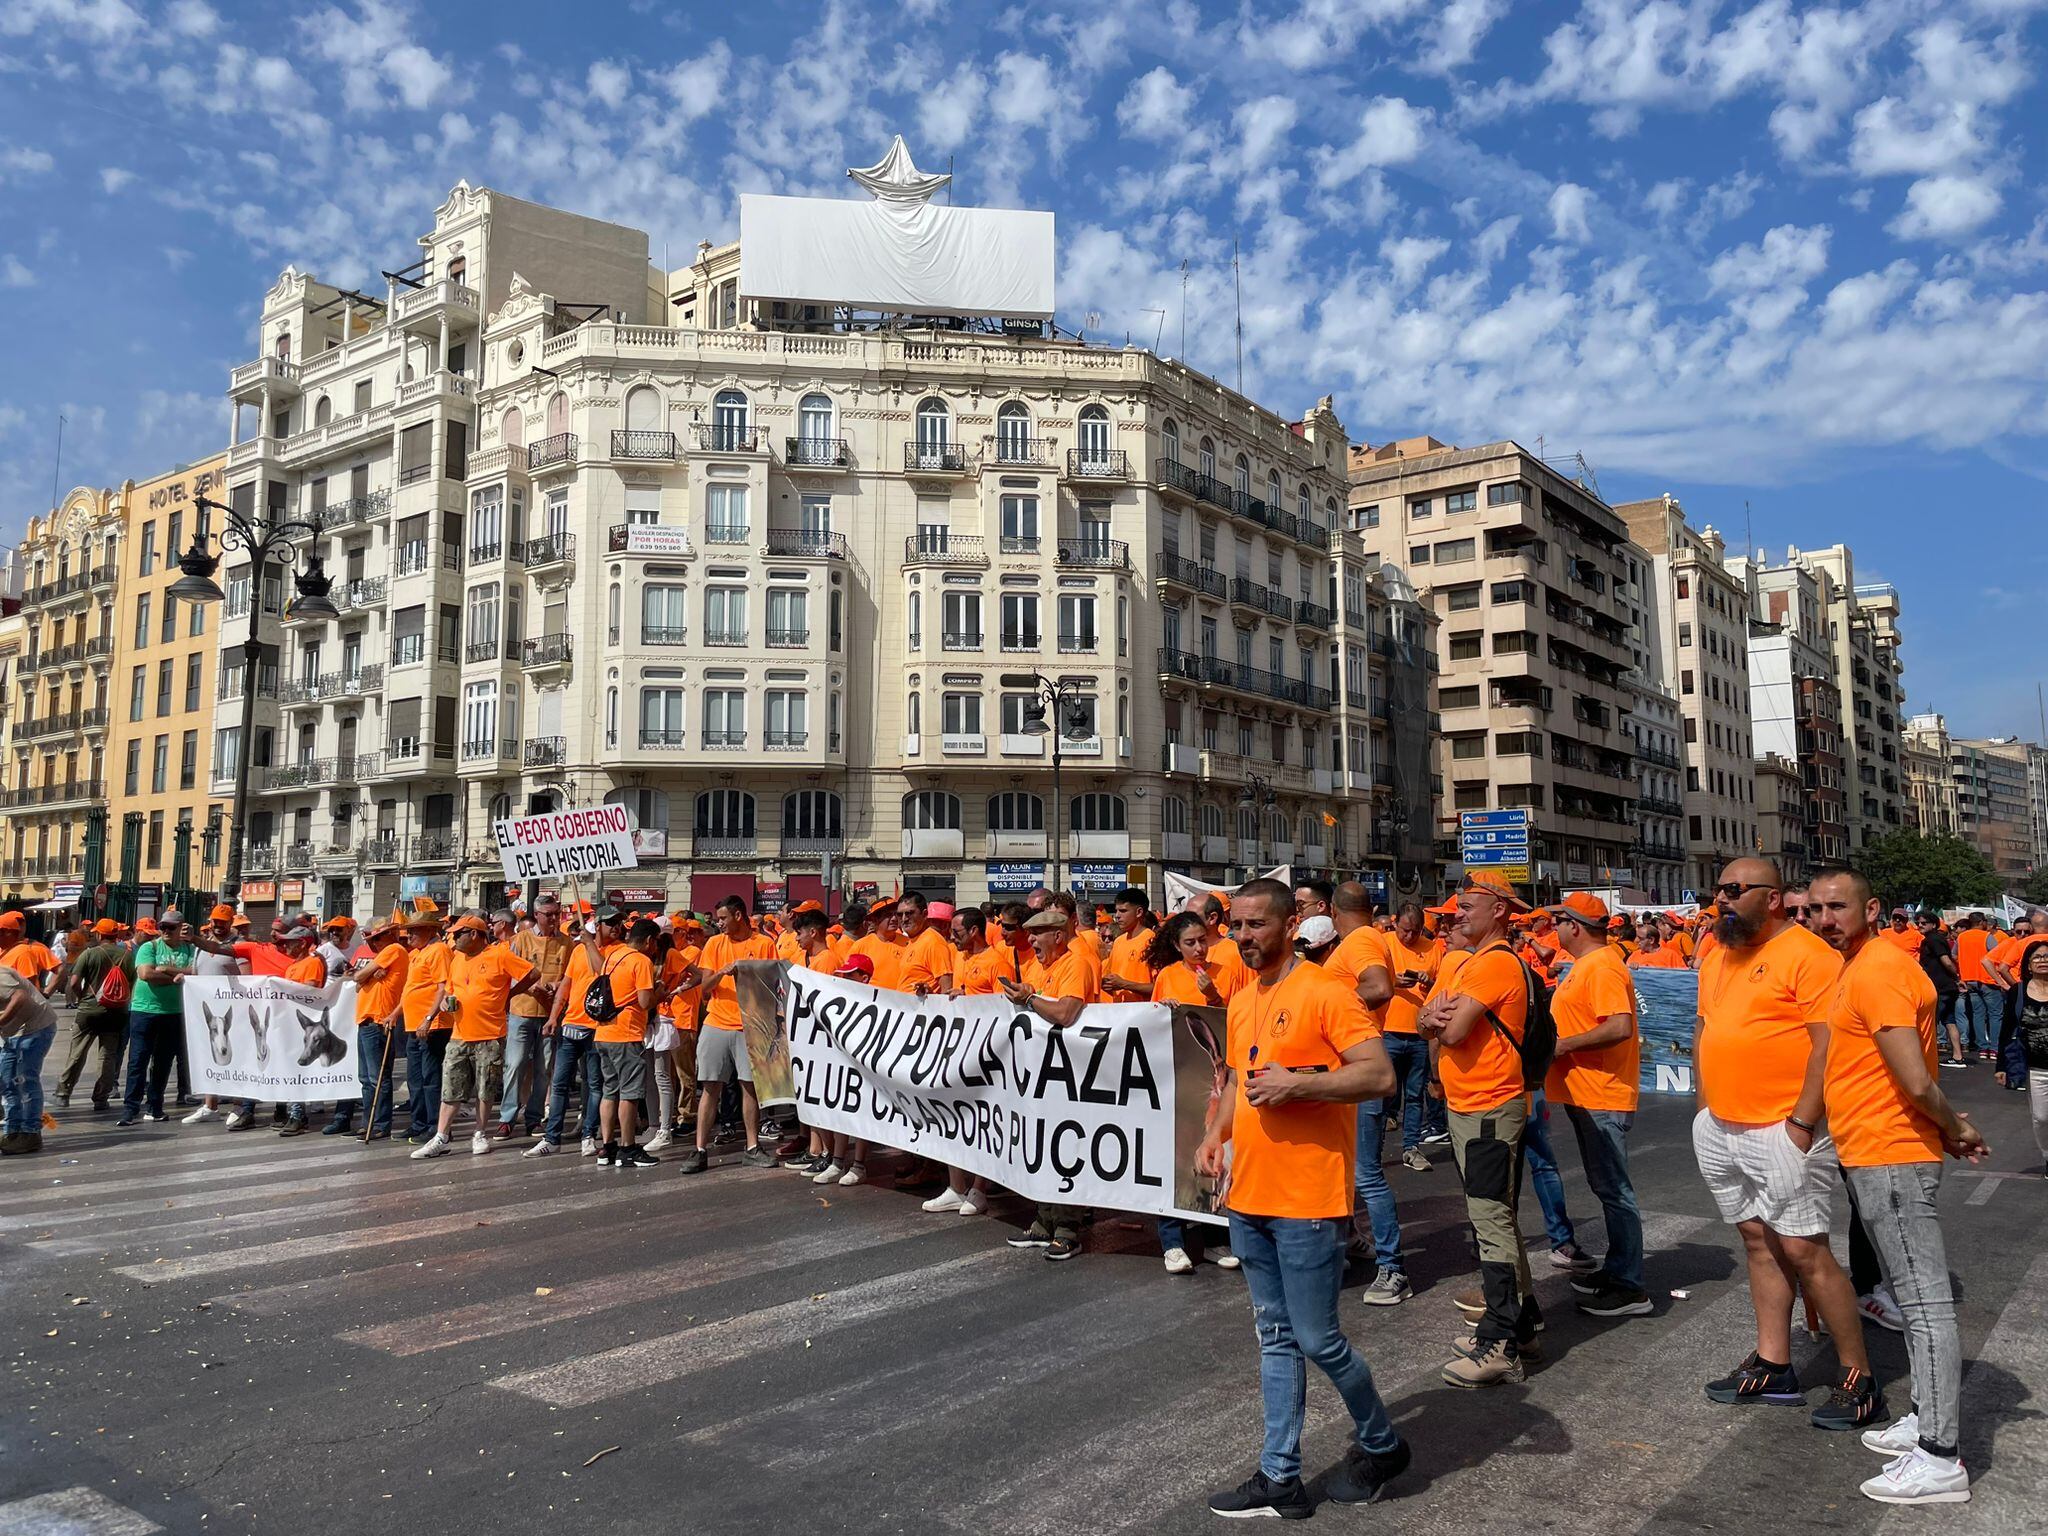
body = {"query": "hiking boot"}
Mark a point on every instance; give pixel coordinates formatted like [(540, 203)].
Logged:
[(1365, 1474), (1854, 1404), (1494, 1362), (1755, 1382), (1529, 1348)]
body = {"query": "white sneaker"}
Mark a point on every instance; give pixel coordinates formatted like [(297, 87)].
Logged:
[(857, 1174), (200, 1116), (657, 1141), (540, 1149), (832, 1174), (436, 1145), (975, 1203), (1879, 1308), (1896, 1438), (479, 1144), (590, 1146), (1918, 1478), (949, 1200), (1178, 1262), (1223, 1258), (235, 1120)]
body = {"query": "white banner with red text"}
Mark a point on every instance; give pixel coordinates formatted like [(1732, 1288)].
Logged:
[(265, 1038)]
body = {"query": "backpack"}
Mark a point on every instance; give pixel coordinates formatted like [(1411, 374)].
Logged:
[(114, 990), (1538, 1044), (598, 1004)]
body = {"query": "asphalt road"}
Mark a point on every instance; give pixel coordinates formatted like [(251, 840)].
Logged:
[(212, 1332)]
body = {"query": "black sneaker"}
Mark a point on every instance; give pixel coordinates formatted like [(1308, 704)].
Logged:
[(1754, 1382), (757, 1156), (1364, 1475), (129, 1120), (1590, 1285), (608, 1156), (1034, 1236), (1060, 1249), (694, 1161), (1852, 1405), (1612, 1300), (637, 1157), (1258, 1496)]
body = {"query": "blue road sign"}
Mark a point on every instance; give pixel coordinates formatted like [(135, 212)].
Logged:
[(1495, 837), (1515, 818), (1511, 856)]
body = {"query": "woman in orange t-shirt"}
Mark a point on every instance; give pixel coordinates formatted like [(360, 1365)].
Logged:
[(1180, 970)]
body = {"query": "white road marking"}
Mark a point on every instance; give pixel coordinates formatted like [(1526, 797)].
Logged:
[(73, 1512)]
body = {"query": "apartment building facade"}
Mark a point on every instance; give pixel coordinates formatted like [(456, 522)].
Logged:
[(1864, 631), (1795, 705), (1993, 801), (1527, 574), (1656, 727), (1699, 650), (1933, 808)]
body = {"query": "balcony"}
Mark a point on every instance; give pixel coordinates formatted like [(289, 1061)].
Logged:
[(1021, 452), (383, 850), (1180, 572), (659, 446), (481, 650), (487, 552), (332, 685), (274, 376), (960, 640), (546, 553), (1313, 615), (545, 653), (1176, 477), (725, 533), (1094, 554), (298, 857), (1075, 644), (661, 740), (816, 453), (489, 749), (804, 544), (1021, 640), (704, 846), (724, 635), (71, 585), (1102, 464), (434, 848), (423, 309), (545, 752), (725, 437), (363, 592), (726, 741), (551, 452), (64, 792), (811, 847), (1017, 544), (1184, 666), (786, 637), (785, 741), (260, 858), (664, 634), (936, 459)]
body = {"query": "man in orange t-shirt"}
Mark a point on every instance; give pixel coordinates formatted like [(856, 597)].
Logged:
[(426, 1044), (1056, 989), (722, 1039), (1903, 932), (982, 967), (308, 967), (926, 955), (874, 934), (1363, 963), (1760, 1058), (1891, 1124), (1980, 1004), (625, 973), (1414, 958), (380, 984), (1595, 1078), (482, 978), (1303, 1051), (1127, 974), (1477, 1020)]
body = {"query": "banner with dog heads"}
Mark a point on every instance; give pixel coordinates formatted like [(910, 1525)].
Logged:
[(262, 1037)]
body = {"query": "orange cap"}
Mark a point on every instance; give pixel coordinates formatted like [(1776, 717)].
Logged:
[(470, 923), (146, 926), (12, 920), (1582, 904), (242, 920), (338, 922), (106, 927), (1494, 883), (221, 914), (1448, 909)]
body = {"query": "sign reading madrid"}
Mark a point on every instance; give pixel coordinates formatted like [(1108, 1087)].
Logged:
[(566, 843)]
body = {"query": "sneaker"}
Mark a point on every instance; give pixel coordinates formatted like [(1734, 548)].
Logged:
[(1896, 1438), (127, 1119), (1879, 1308), (504, 1130), (761, 1157), (1060, 1249), (436, 1145), (608, 1155), (293, 1127), (239, 1120), (1493, 1363), (479, 1144), (976, 1203), (1178, 1262), (1568, 1256), (1389, 1288), (1471, 1303), (154, 1114), (658, 1141), (1258, 1496), (337, 1128), (857, 1174), (831, 1173), (1612, 1300), (1754, 1382), (1414, 1160), (1364, 1474), (590, 1146), (1033, 1236), (637, 1157), (694, 1161), (1223, 1258), (200, 1116), (944, 1201), (1853, 1404), (1919, 1478), (541, 1149), (1437, 1139)]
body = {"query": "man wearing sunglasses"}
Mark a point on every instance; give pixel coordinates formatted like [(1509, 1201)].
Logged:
[(1761, 1052)]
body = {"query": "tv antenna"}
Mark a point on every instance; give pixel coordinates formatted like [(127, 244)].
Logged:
[(1161, 329)]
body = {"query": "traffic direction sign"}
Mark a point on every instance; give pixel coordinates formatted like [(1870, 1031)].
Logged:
[(1467, 820)]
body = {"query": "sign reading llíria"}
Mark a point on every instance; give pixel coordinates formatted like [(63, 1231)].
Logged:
[(566, 843)]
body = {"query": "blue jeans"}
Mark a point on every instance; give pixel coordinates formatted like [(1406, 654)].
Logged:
[(374, 1071), (1981, 1005), (21, 1080), (424, 1050), (152, 1053), (569, 1054), (1603, 1147), (1294, 1268), (523, 1044), (1375, 1207), (1410, 1055), (1542, 1164)]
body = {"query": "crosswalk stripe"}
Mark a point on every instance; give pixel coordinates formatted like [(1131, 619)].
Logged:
[(666, 1281), (670, 1357), (368, 1176), (73, 1512), (67, 1190)]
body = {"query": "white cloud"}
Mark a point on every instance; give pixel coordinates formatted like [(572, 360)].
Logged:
[(13, 274), (379, 59), (1390, 132), (1945, 207), (1452, 37), (697, 85), (98, 21), (607, 82), (951, 108), (20, 160), (193, 18), (1665, 198), (1892, 139), (1262, 129), (1569, 204), (1156, 106), (1787, 254), (113, 179)]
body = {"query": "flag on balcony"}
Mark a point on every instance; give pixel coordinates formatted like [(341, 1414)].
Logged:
[(1329, 820)]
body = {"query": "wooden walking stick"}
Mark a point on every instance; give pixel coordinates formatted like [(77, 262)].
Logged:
[(377, 1089)]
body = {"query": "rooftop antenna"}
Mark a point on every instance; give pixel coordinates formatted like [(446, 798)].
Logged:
[(1748, 535), (1183, 309), (57, 470), (1237, 278)]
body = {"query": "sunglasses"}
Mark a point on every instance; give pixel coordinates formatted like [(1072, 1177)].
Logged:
[(1735, 890)]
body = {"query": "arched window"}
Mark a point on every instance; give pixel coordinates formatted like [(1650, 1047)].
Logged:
[(931, 810), (645, 808), (1174, 810), (1169, 441), (323, 411), (1278, 823), (730, 422), (1241, 479), (1093, 435), (611, 716), (913, 710), (934, 433), (816, 431), (511, 427), (643, 413), (611, 614), (812, 814), (1013, 433), (1016, 812), (1096, 813), (1212, 821), (725, 813), (1273, 491), (558, 414), (1247, 824), (1302, 505), (458, 269), (284, 345)]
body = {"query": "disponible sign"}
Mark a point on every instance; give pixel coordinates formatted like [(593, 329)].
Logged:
[(567, 843)]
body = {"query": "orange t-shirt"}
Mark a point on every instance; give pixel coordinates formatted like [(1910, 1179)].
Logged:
[(887, 958), (1407, 1002), (425, 970), (1356, 953), (1447, 969), (1069, 976), (1175, 983), (1127, 960), (1755, 1006), (311, 971), (926, 958), (681, 1007), (1872, 1121), (1908, 941), (2012, 953), (1227, 968), (376, 999), (722, 1007), (482, 986), (626, 971), (980, 974), (1594, 990), (787, 947), (1294, 1160), (1971, 945), (29, 958), (1708, 943), (1483, 1071), (1663, 958)]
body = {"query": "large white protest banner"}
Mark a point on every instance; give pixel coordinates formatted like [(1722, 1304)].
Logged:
[(1182, 889), (561, 843), (1094, 1114), (262, 1037)]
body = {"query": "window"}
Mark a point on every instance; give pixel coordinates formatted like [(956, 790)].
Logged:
[(138, 692), (1169, 440), (1020, 524), (1468, 747), (1458, 599), (1685, 682), (1461, 501), (415, 453), (195, 671), (725, 514), (1418, 554), (480, 720), (1092, 439), (142, 621), (1451, 551), (132, 784), (1519, 744), (165, 675), (483, 622), (725, 615), (1366, 517), (1077, 623), (1018, 812), (661, 615), (915, 616), (487, 524), (1020, 621), (1503, 495), (814, 517), (148, 556), (1212, 821), (931, 810), (661, 717), (816, 436), (159, 764), (725, 717), (960, 714), (730, 427), (725, 813), (1458, 698), (1096, 813), (227, 747), (1421, 507), (1174, 815), (788, 717), (1465, 647), (961, 620), (1013, 433), (812, 814)]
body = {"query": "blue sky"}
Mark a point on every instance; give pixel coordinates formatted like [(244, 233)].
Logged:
[(1788, 257)]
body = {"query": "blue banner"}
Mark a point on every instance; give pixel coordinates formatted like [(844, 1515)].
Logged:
[(1667, 1007)]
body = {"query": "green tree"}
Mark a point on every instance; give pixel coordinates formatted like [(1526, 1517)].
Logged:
[(1905, 867), (2035, 889)]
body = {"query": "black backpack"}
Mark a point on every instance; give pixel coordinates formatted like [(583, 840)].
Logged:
[(598, 1004), (1538, 1044)]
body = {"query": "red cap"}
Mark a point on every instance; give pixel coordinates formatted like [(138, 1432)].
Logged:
[(856, 968)]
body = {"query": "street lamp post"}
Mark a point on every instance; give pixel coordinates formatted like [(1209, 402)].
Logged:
[(1062, 700), (1258, 794), (266, 542)]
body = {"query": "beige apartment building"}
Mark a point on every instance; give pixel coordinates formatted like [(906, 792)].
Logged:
[(1795, 705), (1781, 816), (1528, 575), (1930, 786), (1992, 801), (1698, 648), (1863, 630)]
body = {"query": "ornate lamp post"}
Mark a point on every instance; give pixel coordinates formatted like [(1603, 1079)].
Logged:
[(1061, 700)]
